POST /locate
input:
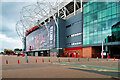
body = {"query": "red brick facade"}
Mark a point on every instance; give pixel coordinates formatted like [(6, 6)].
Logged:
[(87, 52)]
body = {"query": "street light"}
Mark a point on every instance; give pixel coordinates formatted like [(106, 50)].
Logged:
[(103, 48)]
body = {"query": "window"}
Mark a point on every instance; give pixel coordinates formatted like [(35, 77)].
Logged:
[(99, 28), (114, 11), (68, 44), (114, 16), (95, 5), (76, 22), (87, 9), (99, 14), (103, 13), (95, 17), (99, 38), (102, 5), (91, 40), (103, 25), (73, 35), (68, 36), (94, 39), (87, 19), (109, 4), (76, 43), (87, 40), (97, 23), (109, 10), (118, 9), (114, 3), (68, 26), (95, 28), (91, 7)]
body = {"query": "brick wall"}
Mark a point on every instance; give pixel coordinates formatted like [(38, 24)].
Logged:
[(87, 52)]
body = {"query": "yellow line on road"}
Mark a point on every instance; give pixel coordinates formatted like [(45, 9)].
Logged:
[(92, 69)]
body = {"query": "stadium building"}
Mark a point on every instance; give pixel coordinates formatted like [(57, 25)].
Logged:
[(79, 31)]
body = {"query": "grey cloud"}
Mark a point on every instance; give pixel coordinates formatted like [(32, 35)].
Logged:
[(10, 15)]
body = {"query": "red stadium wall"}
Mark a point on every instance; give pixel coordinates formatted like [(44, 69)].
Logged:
[(75, 52)]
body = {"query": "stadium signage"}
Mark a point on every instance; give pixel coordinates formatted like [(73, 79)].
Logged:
[(51, 33), (42, 38)]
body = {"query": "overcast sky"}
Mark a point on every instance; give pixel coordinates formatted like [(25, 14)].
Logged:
[(9, 15)]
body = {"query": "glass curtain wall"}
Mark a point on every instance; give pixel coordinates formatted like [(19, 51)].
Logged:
[(98, 19)]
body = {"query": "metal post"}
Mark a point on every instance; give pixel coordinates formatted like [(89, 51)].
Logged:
[(58, 8), (78, 59), (102, 49), (64, 12), (81, 6), (68, 60), (74, 6), (59, 60), (25, 57), (57, 32), (24, 41)]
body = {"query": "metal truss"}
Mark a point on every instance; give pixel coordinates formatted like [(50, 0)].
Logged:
[(43, 12), (20, 29)]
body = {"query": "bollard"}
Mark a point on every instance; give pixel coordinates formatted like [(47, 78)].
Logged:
[(36, 60), (49, 59), (114, 58), (107, 59), (6, 61), (78, 59), (59, 60), (97, 58), (27, 60), (88, 59), (18, 61), (42, 60), (68, 60)]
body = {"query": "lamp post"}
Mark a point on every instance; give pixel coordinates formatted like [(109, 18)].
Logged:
[(102, 48)]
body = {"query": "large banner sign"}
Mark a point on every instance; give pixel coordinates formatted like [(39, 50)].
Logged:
[(43, 38)]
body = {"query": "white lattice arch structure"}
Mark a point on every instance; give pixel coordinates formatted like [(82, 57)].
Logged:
[(43, 12)]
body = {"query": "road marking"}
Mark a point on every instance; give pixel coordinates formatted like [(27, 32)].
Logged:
[(92, 69), (84, 65)]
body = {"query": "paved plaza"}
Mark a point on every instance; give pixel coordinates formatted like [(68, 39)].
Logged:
[(53, 67)]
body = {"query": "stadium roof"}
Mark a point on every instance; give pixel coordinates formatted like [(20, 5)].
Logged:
[(44, 11)]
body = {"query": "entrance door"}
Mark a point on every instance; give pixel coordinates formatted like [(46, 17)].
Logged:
[(72, 54)]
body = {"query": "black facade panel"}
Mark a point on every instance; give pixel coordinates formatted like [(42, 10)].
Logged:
[(74, 32), (62, 31)]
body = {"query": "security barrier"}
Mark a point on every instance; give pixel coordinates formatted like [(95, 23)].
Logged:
[(33, 60)]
